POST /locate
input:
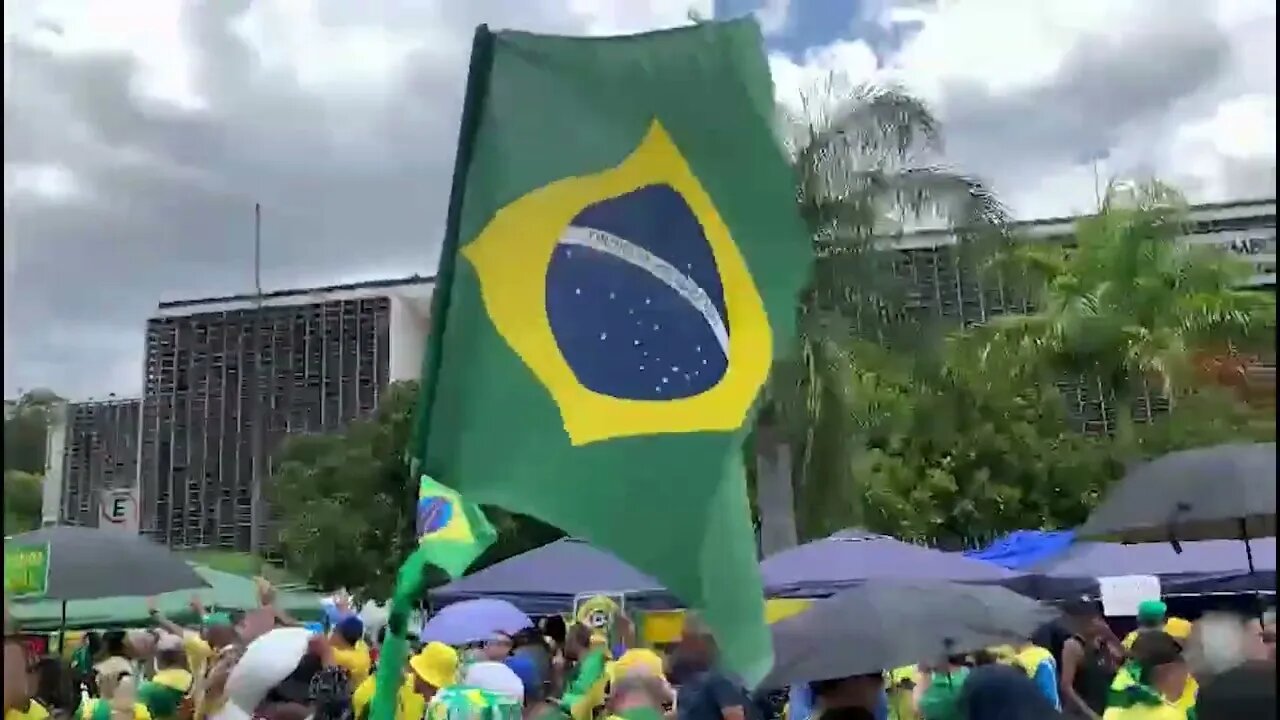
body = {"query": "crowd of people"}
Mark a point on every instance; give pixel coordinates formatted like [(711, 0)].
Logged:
[(267, 665)]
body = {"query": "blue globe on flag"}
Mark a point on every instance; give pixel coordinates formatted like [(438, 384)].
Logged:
[(434, 514)]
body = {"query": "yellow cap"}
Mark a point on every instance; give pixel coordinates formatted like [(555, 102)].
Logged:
[(640, 661), (1178, 628), (437, 664)]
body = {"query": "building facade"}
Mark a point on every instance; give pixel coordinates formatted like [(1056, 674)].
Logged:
[(226, 379), (950, 289), (99, 453)]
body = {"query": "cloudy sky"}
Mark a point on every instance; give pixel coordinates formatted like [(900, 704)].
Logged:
[(138, 135)]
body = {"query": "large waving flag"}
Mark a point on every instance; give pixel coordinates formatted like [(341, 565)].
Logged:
[(621, 263), (452, 533)]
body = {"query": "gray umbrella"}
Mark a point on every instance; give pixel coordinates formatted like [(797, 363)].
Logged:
[(1215, 493), (884, 624), (87, 563)]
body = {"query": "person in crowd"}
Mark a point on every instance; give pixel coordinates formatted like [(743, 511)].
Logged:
[(1180, 630), (900, 692), (1229, 652), (83, 659), (937, 694), (858, 697), (284, 674), (643, 662), (433, 668), (117, 660), (203, 649), (1088, 663), (498, 647), (54, 687), (349, 648), (707, 692), (997, 691), (167, 694), (118, 695), (19, 703), (1151, 617), (140, 646), (1039, 665), (532, 644), (536, 704), (1269, 632), (638, 696), (1154, 615), (1160, 674), (586, 679), (488, 690), (1247, 690)]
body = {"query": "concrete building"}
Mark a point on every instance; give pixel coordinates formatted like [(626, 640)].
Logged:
[(93, 449), (227, 378)]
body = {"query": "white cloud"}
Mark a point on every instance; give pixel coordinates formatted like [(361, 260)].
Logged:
[(139, 134), (146, 30), (1027, 90), (774, 16)]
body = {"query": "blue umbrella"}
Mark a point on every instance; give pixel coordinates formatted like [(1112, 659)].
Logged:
[(474, 621)]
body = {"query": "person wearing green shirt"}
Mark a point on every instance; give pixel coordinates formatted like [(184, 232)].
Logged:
[(938, 693)]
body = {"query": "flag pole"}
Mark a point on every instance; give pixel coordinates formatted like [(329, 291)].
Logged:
[(411, 578)]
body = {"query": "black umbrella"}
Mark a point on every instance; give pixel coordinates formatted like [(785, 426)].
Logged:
[(86, 563), (884, 624), (1212, 493)]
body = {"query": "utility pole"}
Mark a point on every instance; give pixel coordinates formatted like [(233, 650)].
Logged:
[(257, 441), (1097, 186)]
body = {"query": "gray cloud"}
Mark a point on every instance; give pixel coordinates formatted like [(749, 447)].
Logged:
[(353, 181), (350, 187), (1107, 87)]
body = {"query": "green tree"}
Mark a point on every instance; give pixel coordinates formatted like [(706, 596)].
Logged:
[(23, 500), (26, 428), (1130, 304), (347, 502), (865, 161)]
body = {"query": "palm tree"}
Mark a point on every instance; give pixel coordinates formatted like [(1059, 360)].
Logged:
[(865, 162), (1131, 306)]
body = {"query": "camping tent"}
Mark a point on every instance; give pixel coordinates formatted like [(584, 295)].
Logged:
[(849, 557), (547, 579), (1202, 567)]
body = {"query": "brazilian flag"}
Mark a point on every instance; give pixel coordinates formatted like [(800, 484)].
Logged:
[(451, 532), (621, 265)]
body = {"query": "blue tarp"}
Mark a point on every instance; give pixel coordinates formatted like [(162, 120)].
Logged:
[(1025, 548), (1065, 568), (547, 579)]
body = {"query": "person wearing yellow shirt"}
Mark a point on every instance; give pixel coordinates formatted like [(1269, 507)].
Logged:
[(18, 684), (119, 701), (434, 668), (1160, 676), (202, 648), (1154, 615), (349, 649), (1180, 631)]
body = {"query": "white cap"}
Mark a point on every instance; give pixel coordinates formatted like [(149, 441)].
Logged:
[(496, 678)]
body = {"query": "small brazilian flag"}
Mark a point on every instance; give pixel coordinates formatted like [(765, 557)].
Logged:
[(621, 263), (452, 533)]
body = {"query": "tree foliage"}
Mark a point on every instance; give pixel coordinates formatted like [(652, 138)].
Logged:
[(346, 503), (22, 501), (1130, 305), (866, 163), (974, 440), (26, 428)]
